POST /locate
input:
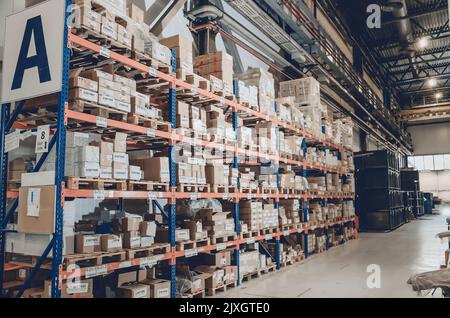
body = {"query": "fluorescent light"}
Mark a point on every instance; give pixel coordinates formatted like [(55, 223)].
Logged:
[(439, 95), (432, 82), (422, 43)]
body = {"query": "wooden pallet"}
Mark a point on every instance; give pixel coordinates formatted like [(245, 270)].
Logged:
[(76, 183), (287, 191), (222, 239), (221, 188), (201, 188), (212, 292), (200, 294), (249, 234), (267, 190), (148, 122), (93, 36), (87, 107), (148, 186), (268, 231), (155, 249), (287, 263), (268, 269), (191, 244), (250, 276), (94, 259)]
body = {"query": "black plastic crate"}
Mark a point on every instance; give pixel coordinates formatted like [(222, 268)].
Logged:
[(410, 180), (380, 199)]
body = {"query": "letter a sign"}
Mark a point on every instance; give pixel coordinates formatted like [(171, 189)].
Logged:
[(32, 64)]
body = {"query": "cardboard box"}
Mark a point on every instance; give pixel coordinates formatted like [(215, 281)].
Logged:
[(230, 274), (120, 142), (135, 173), (110, 243), (36, 210), (131, 240), (162, 235), (106, 97), (147, 228), (147, 241), (131, 223), (155, 169), (218, 259), (216, 278), (79, 289), (198, 282), (135, 291), (158, 288), (106, 153), (87, 154), (87, 243), (215, 174), (77, 81), (84, 94), (135, 13), (135, 276), (109, 28)]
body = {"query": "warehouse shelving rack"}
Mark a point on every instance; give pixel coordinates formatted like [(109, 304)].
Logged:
[(64, 114)]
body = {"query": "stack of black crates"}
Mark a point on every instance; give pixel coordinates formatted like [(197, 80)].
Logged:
[(379, 199), (411, 186)]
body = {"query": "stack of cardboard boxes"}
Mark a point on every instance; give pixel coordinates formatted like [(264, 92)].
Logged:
[(292, 209), (217, 67), (249, 263), (218, 224), (258, 216)]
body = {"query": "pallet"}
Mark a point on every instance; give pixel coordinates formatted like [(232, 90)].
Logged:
[(222, 239), (148, 186), (268, 269), (155, 249), (287, 191), (200, 294), (249, 234), (76, 183), (148, 122), (287, 263), (250, 276), (221, 188), (201, 188), (186, 245), (94, 259), (83, 106), (267, 190), (212, 292), (268, 231)]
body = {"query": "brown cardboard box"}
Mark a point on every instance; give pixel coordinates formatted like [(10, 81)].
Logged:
[(135, 276), (75, 80), (135, 13), (131, 223), (106, 152), (87, 243), (195, 228), (110, 243), (216, 278), (81, 289), (131, 239), (17, 164), (219, 259), (147, 228), (120, 142), (155, 169), (162, 235), (158, 288), (215, 174), (198, 282), (135, 291), (36, 210), (230, 274), (84, 94)]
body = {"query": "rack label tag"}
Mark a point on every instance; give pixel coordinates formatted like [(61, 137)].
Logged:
[(221, 246), (151, 133), (148, 261), (191, 253), (101, 122), (152, 71), (99, 195), (268, 236), (286, 233), (194, 196), (42, 139), (12, 141), (105, 52), (251, 240)]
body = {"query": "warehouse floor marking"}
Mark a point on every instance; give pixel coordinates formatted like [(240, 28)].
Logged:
[(304, 292)]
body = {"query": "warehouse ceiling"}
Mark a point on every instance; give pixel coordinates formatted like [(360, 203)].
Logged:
[(411, 48)]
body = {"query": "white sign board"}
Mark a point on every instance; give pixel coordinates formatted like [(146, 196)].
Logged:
[(33, 52)]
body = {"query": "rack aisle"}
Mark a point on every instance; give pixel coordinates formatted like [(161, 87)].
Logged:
[(66, 117)]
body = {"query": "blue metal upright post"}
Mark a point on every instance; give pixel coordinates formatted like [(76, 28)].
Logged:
[(305, 220), (173, 179), (3, 179), (60, 161), (236, 201), (277, 200)]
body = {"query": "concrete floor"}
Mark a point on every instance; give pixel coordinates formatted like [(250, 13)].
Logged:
[(342, 271)]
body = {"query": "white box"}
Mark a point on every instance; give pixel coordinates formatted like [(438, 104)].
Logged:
[(38, 179), (135, 173), (120, 157), (120, 174), (76, 139), (106, 172), (86, 170), (87, 154)]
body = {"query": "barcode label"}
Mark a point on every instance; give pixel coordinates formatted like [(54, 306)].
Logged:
[(194, 196), (286, 233), (101, 122), (99, 195), (148, 261), (221, 246), (251, 240), (150, 133), (191, 253), (268, 236), (105, 52), (152, 71)]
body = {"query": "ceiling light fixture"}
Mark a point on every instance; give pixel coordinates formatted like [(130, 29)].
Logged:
[(439, 95), (422, 43), (391, 7), (432, 82)]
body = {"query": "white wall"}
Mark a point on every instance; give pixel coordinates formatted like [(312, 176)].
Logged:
[(437, 182), (431, 139)]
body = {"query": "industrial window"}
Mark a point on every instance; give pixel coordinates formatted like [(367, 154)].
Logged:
[(429, 163)]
